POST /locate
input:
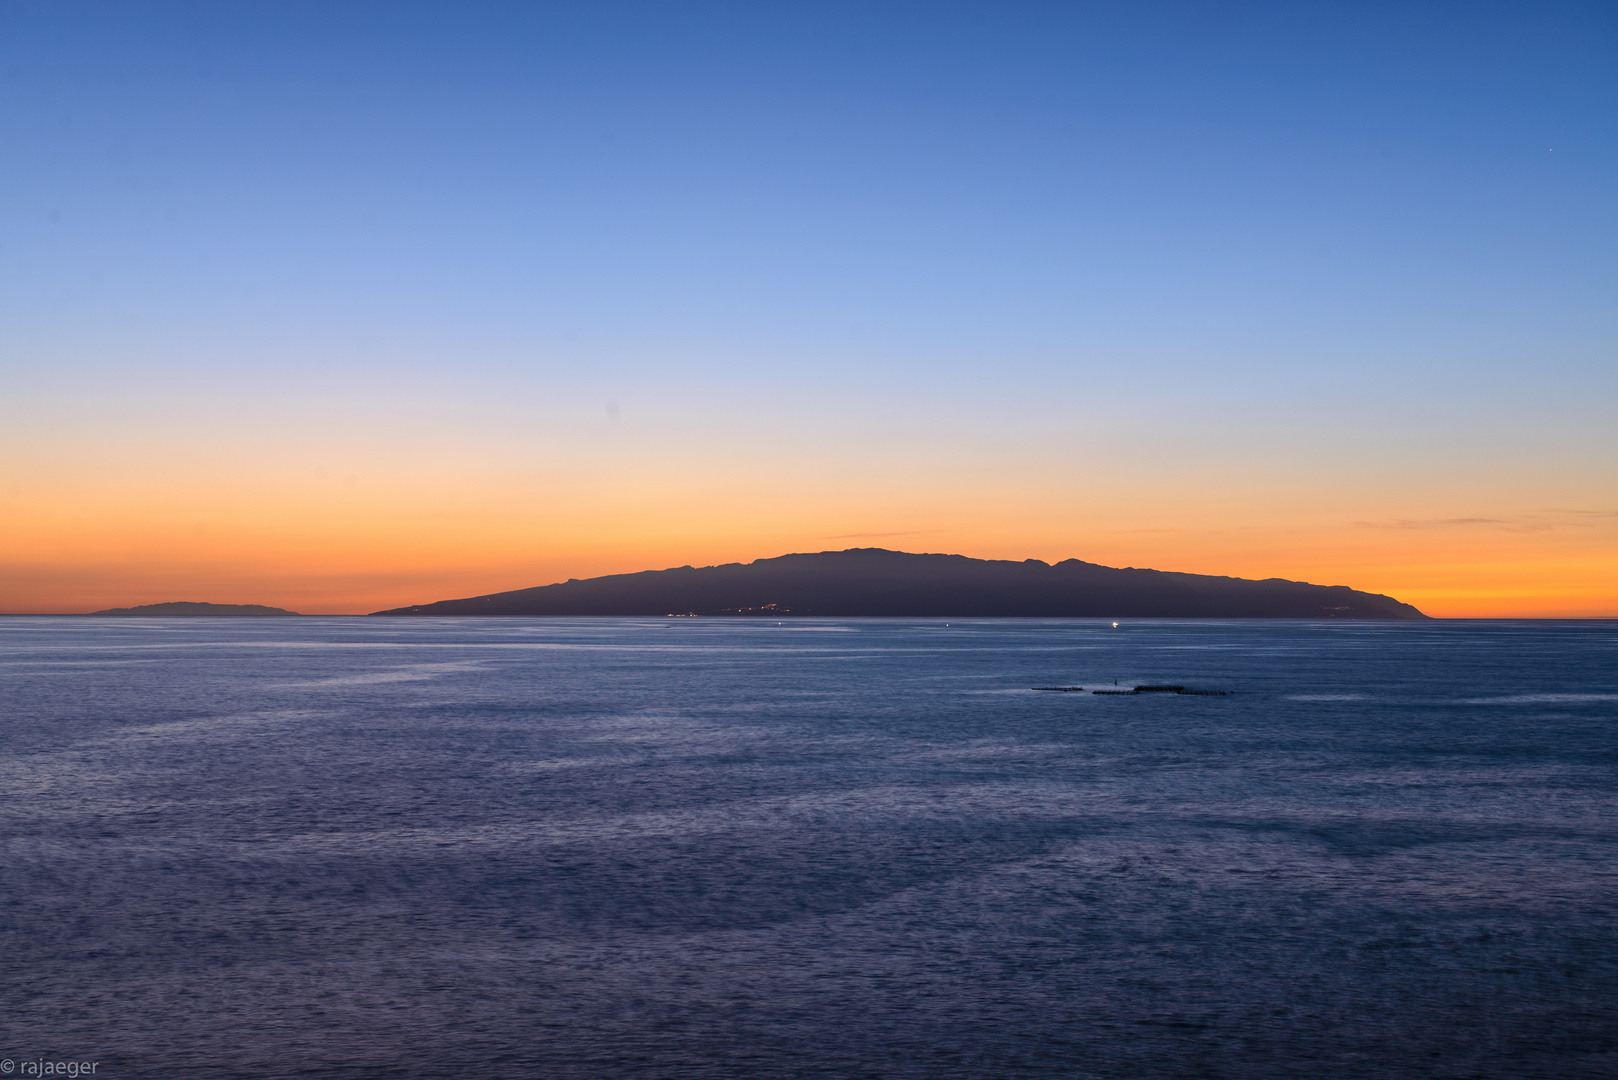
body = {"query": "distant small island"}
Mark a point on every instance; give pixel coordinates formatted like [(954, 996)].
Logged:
[(875, 581), (193, 607)]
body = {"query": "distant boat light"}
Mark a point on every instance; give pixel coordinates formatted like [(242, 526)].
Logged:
[(1115, 626)]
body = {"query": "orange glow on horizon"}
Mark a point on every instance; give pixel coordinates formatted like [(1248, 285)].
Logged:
[(345, 532), (372, 558)]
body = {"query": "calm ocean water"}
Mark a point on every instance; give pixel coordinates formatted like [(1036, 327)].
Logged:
[(858, 848)]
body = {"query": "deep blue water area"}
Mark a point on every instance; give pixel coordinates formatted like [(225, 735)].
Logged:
[(582, 848)]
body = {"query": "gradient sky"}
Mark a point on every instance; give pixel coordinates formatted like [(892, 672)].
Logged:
[(345, 306)]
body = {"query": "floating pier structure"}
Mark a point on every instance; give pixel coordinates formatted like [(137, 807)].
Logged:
[(1136, 690), (1166, 690)]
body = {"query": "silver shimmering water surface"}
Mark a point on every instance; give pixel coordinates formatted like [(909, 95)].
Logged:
[(839, 848)]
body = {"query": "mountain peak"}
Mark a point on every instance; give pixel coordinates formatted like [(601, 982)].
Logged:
[(195, 607)]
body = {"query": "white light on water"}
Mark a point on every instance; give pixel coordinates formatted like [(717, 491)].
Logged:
[(1115, 626)]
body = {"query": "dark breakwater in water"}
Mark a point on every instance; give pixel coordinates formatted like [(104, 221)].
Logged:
[(833, 848)]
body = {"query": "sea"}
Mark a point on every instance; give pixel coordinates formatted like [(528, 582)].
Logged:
[(838, 848)]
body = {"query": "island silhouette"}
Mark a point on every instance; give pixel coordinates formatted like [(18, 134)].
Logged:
[(195, 607), (876, 581)]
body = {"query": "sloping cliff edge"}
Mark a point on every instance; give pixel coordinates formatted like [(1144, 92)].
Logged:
[(875, 581)]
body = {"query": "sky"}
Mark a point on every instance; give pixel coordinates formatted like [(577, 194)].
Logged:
[(343, 306)]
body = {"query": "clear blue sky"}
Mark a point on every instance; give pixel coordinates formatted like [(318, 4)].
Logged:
[(1316, 217)]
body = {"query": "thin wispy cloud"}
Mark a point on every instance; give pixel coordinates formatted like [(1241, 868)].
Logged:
[(1430, 523), (881, 535), (1522, 523)]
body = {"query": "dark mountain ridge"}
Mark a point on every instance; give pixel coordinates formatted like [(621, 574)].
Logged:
[(875, 581), (196, 607)]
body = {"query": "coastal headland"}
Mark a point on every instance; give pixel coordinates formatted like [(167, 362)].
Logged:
[(876, 582)]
